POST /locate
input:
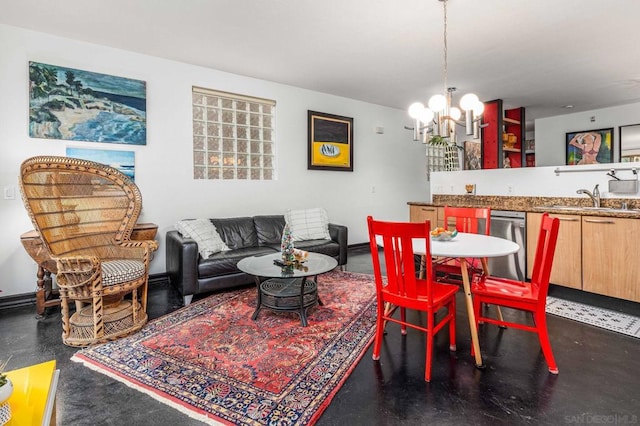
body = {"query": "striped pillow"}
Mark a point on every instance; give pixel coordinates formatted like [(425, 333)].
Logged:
[(204, 233), (308, 224)]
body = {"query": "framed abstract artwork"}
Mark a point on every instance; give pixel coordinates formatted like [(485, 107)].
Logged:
[(71, 104), (589, 147), (330, 142), (472, 155), (124, 161)]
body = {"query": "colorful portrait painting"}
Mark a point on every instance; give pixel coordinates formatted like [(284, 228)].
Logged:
[(590, 147)]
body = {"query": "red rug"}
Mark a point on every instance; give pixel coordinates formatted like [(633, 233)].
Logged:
[(211, 361)]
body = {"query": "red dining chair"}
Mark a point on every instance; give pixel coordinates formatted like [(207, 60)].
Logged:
[(530, 297), (467, 219), (402, 289)]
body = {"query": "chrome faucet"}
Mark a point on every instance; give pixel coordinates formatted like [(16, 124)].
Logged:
[(595, 195)]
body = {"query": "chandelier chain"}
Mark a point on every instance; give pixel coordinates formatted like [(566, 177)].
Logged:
[(445, 70)]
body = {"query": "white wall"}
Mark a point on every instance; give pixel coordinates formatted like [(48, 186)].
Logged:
[(550, 136), (389, 169), (550, 133), (530, 181)]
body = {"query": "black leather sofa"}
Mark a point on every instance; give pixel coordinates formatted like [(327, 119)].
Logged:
[(245, 236)]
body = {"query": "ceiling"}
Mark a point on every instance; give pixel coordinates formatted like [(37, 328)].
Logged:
[(540, 54)]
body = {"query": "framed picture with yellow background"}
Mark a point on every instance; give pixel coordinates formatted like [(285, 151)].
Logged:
[(330, 142)]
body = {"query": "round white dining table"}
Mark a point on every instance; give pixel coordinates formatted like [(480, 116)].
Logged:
[(465, 246)]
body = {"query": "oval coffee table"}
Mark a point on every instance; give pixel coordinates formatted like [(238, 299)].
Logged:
[(287, 288)]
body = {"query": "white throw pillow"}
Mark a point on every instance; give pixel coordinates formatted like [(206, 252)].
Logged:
[(205, 234), (308, 224)]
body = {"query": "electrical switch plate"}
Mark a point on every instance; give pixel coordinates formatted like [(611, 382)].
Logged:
[(9, 193)]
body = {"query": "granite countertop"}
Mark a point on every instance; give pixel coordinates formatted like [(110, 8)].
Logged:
[(610, 207)]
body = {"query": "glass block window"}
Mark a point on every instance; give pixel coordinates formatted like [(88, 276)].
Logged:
[(233, 136)]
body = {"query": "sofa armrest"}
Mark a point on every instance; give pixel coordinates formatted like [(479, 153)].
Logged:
[(182, 263), (339, 234)]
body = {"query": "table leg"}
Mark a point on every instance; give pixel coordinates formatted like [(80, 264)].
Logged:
[(303, 310), (315, 280), (472, 317), (259, 302)]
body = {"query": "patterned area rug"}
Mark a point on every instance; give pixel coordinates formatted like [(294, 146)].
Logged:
[(212, 362), (604, 318)]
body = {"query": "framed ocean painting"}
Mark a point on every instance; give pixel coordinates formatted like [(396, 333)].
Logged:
[(71, 104), (124, 161)]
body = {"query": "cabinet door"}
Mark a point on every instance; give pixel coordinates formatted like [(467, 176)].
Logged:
[(567, 263), (441, 217), (610, 256), (422, 213)]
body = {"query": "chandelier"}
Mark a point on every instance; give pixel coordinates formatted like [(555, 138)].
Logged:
[(439, 118)]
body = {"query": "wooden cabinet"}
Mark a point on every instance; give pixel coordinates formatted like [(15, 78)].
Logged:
[(610, 256), (567, 263), (422, 213), (434, 214)]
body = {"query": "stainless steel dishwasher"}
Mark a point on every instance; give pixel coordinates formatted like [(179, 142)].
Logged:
[(512, 226)]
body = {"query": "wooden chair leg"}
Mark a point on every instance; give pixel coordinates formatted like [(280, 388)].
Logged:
[(403, 318), (380, 324), (98, 323), (545, 343), (452, 325), (64, 311), (429, 355)]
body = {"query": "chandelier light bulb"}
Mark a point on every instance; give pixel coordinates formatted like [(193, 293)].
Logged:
[(468, 101), (415, 109), (426, 116), (437, 103), (455, 113), (478, 109)]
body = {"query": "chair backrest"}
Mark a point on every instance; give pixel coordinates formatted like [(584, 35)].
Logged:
[(468, 218), (79, 207), (402, 287), (545, 249)]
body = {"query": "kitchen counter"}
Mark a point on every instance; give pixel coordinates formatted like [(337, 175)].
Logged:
[(610, 207)]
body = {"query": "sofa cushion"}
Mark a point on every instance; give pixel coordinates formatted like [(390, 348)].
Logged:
[(308, 224), (204, 233), (226, 262), (269, 229), (237, 232), (328, 247), (120, 271)]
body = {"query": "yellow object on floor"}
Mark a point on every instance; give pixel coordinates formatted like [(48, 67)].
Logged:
[(34, 394)]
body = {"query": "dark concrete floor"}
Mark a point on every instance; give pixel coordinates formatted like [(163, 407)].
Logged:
[(599, 380)]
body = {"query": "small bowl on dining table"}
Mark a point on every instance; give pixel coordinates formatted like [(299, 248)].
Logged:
[(445, 235)]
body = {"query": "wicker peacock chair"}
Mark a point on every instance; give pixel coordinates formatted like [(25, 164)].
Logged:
[(85, 213)]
